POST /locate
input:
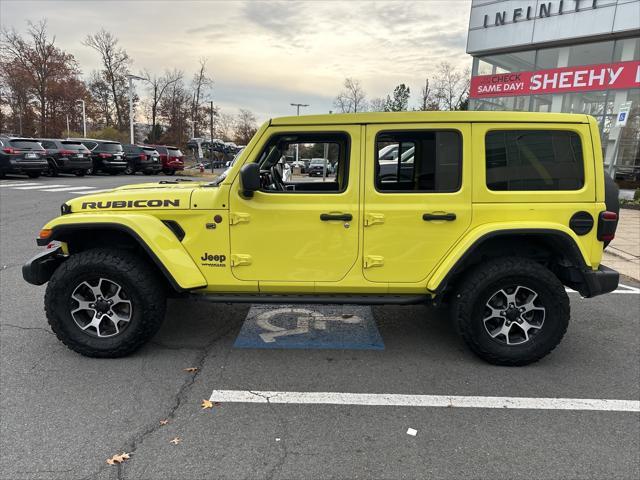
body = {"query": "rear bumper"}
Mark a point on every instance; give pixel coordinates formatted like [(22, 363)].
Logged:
[(39, 269), (599, 282), (21, 166), (173, 165), (71, 164)]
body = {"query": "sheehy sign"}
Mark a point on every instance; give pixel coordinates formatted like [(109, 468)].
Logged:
[(558, 80)]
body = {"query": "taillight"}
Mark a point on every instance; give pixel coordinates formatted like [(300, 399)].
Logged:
[(607, 223), (143, 156), (66, 152), (104, 155), (10, 150)]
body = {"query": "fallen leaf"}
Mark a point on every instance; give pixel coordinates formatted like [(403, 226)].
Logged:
[(118, 458), (175, 441), (206, 404), (164, 422), (191, 369)]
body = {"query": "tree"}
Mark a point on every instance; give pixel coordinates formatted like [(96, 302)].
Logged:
[(200, 81), (400, 100), (175, 109), (428, 100), (115, 68), (352, 98), (245, 127), (452, 87), (224, 126), (377, 104), (157, 88), (42, 69)]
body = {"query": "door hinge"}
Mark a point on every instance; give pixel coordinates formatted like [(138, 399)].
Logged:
[(373, 218), (373, 261), (238, 259), (236, 218)]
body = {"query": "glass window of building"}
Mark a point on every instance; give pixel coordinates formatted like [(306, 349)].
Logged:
[(626, 50), (590, 54)]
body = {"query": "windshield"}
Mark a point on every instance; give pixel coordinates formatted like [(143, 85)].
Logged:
[(26, 144), (111, 147), (73, 145)]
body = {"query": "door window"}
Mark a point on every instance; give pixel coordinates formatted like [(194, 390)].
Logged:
[(305, 162), (418, 161)]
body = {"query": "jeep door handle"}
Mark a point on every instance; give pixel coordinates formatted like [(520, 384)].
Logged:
[(328, 217), (449, 217)]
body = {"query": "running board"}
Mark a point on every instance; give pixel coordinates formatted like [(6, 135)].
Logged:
[(313, 299)]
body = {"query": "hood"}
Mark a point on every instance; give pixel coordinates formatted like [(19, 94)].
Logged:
[(164, 196)]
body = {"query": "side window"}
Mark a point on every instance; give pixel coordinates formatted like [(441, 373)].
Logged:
[(48, 145), (305, 162), (418, 161), (534, 160)]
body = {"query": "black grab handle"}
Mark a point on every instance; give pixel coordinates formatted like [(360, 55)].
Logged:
[(449, 217), (327, 217)]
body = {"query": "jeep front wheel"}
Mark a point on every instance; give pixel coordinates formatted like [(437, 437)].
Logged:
[(104, 303), (511, 311)]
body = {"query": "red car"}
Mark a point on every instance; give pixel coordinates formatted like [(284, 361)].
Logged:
[(171, 157)]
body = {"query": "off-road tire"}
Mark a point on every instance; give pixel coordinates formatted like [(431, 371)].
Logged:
[(475, 289), (146, 293)]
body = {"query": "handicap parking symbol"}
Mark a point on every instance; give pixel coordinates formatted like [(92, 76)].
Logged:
[(310, 326)]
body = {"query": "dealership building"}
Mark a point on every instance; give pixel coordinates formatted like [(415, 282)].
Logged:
[(572, 56)]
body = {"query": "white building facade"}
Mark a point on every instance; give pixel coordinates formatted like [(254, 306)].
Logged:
[(572, 56)]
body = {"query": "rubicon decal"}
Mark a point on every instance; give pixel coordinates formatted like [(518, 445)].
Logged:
[(131, 204), (608, 76)]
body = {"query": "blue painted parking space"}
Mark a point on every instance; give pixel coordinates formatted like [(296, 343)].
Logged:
[(310, 327)]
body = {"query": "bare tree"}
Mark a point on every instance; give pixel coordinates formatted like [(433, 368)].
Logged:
[(245, 127), (377, 104), (352, 98), (452, 87), (224, 126), (200, 82), (115, 63), (41, 66), (157, 88), (428, 99)]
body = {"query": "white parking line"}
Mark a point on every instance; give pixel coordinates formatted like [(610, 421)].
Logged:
[(67, 188), (621, 289), (39, 187), (21, 184), (398, 400)]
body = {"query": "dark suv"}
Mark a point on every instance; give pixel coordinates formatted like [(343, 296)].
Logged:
[(66, 156), (107, 155), (21, 155), (171, 157), (141, 158)]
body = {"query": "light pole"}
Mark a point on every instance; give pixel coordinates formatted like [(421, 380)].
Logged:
[(298, 105), (131, 79), (84, 119)]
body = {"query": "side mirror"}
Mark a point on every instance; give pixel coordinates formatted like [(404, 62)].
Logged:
[(250, 179)]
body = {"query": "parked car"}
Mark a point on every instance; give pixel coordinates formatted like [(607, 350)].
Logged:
[(300, 164), (141, 158), (21, 155), (316, 167), (171, 157), (66, 156), (106, 155)]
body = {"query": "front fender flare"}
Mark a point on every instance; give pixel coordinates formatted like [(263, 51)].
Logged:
[(158, 241)]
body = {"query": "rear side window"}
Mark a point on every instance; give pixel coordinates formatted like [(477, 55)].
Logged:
[(90, 145), (418, 161), (48, 144), (534, 160), (73, 145)]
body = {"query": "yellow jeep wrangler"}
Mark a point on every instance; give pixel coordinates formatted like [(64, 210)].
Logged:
[(492, 213)]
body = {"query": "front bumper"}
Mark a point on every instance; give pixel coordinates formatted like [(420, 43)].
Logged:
[(599, 282), (39, 269)]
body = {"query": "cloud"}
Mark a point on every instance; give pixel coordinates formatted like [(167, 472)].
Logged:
[(264, 55)]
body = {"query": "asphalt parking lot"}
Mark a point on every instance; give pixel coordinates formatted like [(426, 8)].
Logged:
[(63, 415)]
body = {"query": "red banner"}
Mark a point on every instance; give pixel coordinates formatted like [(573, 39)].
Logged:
[(607, 76)]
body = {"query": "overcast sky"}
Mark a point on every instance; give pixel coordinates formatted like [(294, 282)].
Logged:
[(265, 55)]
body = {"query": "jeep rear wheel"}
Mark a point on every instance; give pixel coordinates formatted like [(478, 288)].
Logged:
[(511, 311), (104, 303)]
